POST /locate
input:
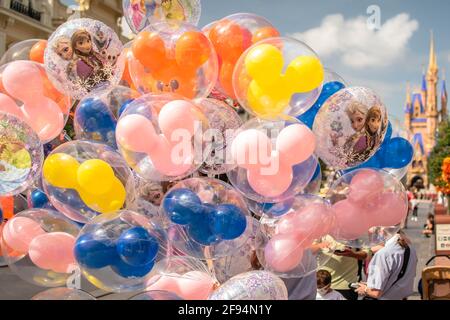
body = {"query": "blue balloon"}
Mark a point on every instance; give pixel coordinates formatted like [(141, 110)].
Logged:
[(38, 198), (202, 232), (95, 253), (124, 106), (137, 247), (182, 206), (328, 90), (397, 154), (388, 134), (228, 221), (126, 270)]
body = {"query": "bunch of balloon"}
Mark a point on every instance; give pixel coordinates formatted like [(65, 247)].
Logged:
[(96, 115), (369, 205), (207, 218), (157, 136), (278, 76), (286, 243), (30, 49), (117, 251), (38, 246), (175, 58), (231, 36), (83, 179), (41, 105)]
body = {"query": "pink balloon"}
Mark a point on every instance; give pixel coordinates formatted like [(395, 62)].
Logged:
[(136, 133), (251, 149), (177, 115), (193, 285), (53, 251), (309, 223), (45, 117), (8, 105), (272, 185), (23, 80), (167, 161), (389, 209), (351, 220), (283, 253), (365, 185), (19, 232), (296, 143)]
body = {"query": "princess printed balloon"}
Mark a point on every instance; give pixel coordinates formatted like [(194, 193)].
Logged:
[(351, 126), (83, 55), (141, 13)]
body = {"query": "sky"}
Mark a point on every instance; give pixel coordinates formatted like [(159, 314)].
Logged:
[(384, 58)]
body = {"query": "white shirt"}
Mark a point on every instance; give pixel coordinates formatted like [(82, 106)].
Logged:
[(385, 267), (332, 295)]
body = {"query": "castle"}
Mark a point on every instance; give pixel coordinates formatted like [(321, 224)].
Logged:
[(422, 118)]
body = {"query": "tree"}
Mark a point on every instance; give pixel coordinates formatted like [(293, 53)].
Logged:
[(437, 156)]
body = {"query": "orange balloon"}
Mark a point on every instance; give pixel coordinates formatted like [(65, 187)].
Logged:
[(7, 205), (228, 40), (126, 77), (149, 49), (264, 33), (38, 50), (226, 78), (192, 50)]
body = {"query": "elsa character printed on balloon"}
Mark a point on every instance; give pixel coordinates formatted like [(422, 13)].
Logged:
[(84, 55), (353, 123)]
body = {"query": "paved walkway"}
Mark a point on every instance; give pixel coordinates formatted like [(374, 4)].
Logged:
[(13, 288)]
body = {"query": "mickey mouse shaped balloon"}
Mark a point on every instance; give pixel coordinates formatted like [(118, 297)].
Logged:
[(173, 57), (278, 76), (157, 137), (274, 159)]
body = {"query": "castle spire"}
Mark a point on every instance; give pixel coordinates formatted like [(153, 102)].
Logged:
[(432, 64)]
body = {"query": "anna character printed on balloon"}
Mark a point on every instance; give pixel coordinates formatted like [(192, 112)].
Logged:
[(89, 67), (138, 12)]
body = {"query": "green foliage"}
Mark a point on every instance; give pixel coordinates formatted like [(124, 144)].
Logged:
[(439, 153)]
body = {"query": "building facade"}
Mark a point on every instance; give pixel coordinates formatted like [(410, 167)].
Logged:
[(37, 19), (426, 107)]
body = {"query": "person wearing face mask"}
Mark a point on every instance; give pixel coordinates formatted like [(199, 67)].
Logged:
[(324, 291), (391, 271)]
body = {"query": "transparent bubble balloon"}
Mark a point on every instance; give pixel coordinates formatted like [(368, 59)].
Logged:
[(286, 243), (161, 137), (84, 55), (175, 58), (186, 277), (351, 126), (117, 251), (30, 49), (278, 76), (96, 115), (243, 260), (274, 159), (141, 13), (27, 93), (223, 122), (231, 36), (63, 294), (208, 218), (369, 206), (156, 295), (38, 246), (253, 285), (83, 179), (21, 155)]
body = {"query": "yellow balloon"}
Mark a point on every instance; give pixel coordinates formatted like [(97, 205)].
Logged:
[(264, 63), (95, 176), (60, 170), (304, 74), (268, 103), (109, 202)]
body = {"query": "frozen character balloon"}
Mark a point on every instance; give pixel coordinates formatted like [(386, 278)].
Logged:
[(83, 55)]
